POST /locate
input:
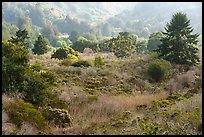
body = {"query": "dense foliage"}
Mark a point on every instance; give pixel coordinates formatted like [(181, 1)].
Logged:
[(21, 111), (179, 45), (14, 66), (123, 45), (21, 38), (40, 46), (154, 41), (81, 63), (159, 69), (65, 52), (83, 43)]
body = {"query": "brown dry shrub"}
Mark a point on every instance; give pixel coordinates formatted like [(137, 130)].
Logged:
[(7, 128), (27, 129), (182, 81)]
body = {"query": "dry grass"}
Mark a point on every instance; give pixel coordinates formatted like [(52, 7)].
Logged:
[(27, 129), (106, 106), (86, 112), (74, 130), (7, 128), (44, 59), (91, 56)]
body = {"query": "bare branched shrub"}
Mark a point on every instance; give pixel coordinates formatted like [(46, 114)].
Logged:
[(73, 95), (185, 80), (188, 104)]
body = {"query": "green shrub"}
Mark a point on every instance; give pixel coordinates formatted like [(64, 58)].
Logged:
[(37, 67), (148, 128), (98, 62), (66, 62), (159, 70), (60, 117), (65, 52), (14, 66), (175, 97), (81, 63), (161, 103), (36, 88), (55, 102), (37, 84), (21, 111)]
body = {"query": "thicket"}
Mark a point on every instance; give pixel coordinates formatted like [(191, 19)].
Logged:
[(65, 52), (81, 63), (20, 111), (159, 70)]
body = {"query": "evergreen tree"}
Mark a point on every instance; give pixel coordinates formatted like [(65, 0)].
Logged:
[(179, 45), (40, 46), (21, 38)]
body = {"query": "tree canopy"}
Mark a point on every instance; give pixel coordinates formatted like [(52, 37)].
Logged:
[(123, 45), (14, 64), (154, 41), (21, 38), (40, 46), (179, 45)]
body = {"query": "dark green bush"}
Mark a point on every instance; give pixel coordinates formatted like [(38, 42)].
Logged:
[(65, 52), (14, 65), (98, 62), (81, 63), (159, 70), (36, 89), (60, 117), (37, 86), (21, 111)]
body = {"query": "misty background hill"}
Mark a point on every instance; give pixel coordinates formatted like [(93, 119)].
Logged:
[(98, 19)]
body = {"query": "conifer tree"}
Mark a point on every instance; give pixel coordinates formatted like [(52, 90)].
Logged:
[(179, 45), (21, 38), (40, 46)]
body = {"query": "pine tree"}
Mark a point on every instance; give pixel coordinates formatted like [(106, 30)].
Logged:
[(21, 38), (179, 45), (40, 46)]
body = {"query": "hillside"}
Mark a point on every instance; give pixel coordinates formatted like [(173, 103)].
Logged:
[(112, 99), (73, 68)]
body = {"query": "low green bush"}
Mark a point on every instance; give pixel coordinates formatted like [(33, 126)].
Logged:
[(98, 62), (81, 63), (159, 70), (21, 111), (60, 117), (37, 85), (65, 52)]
